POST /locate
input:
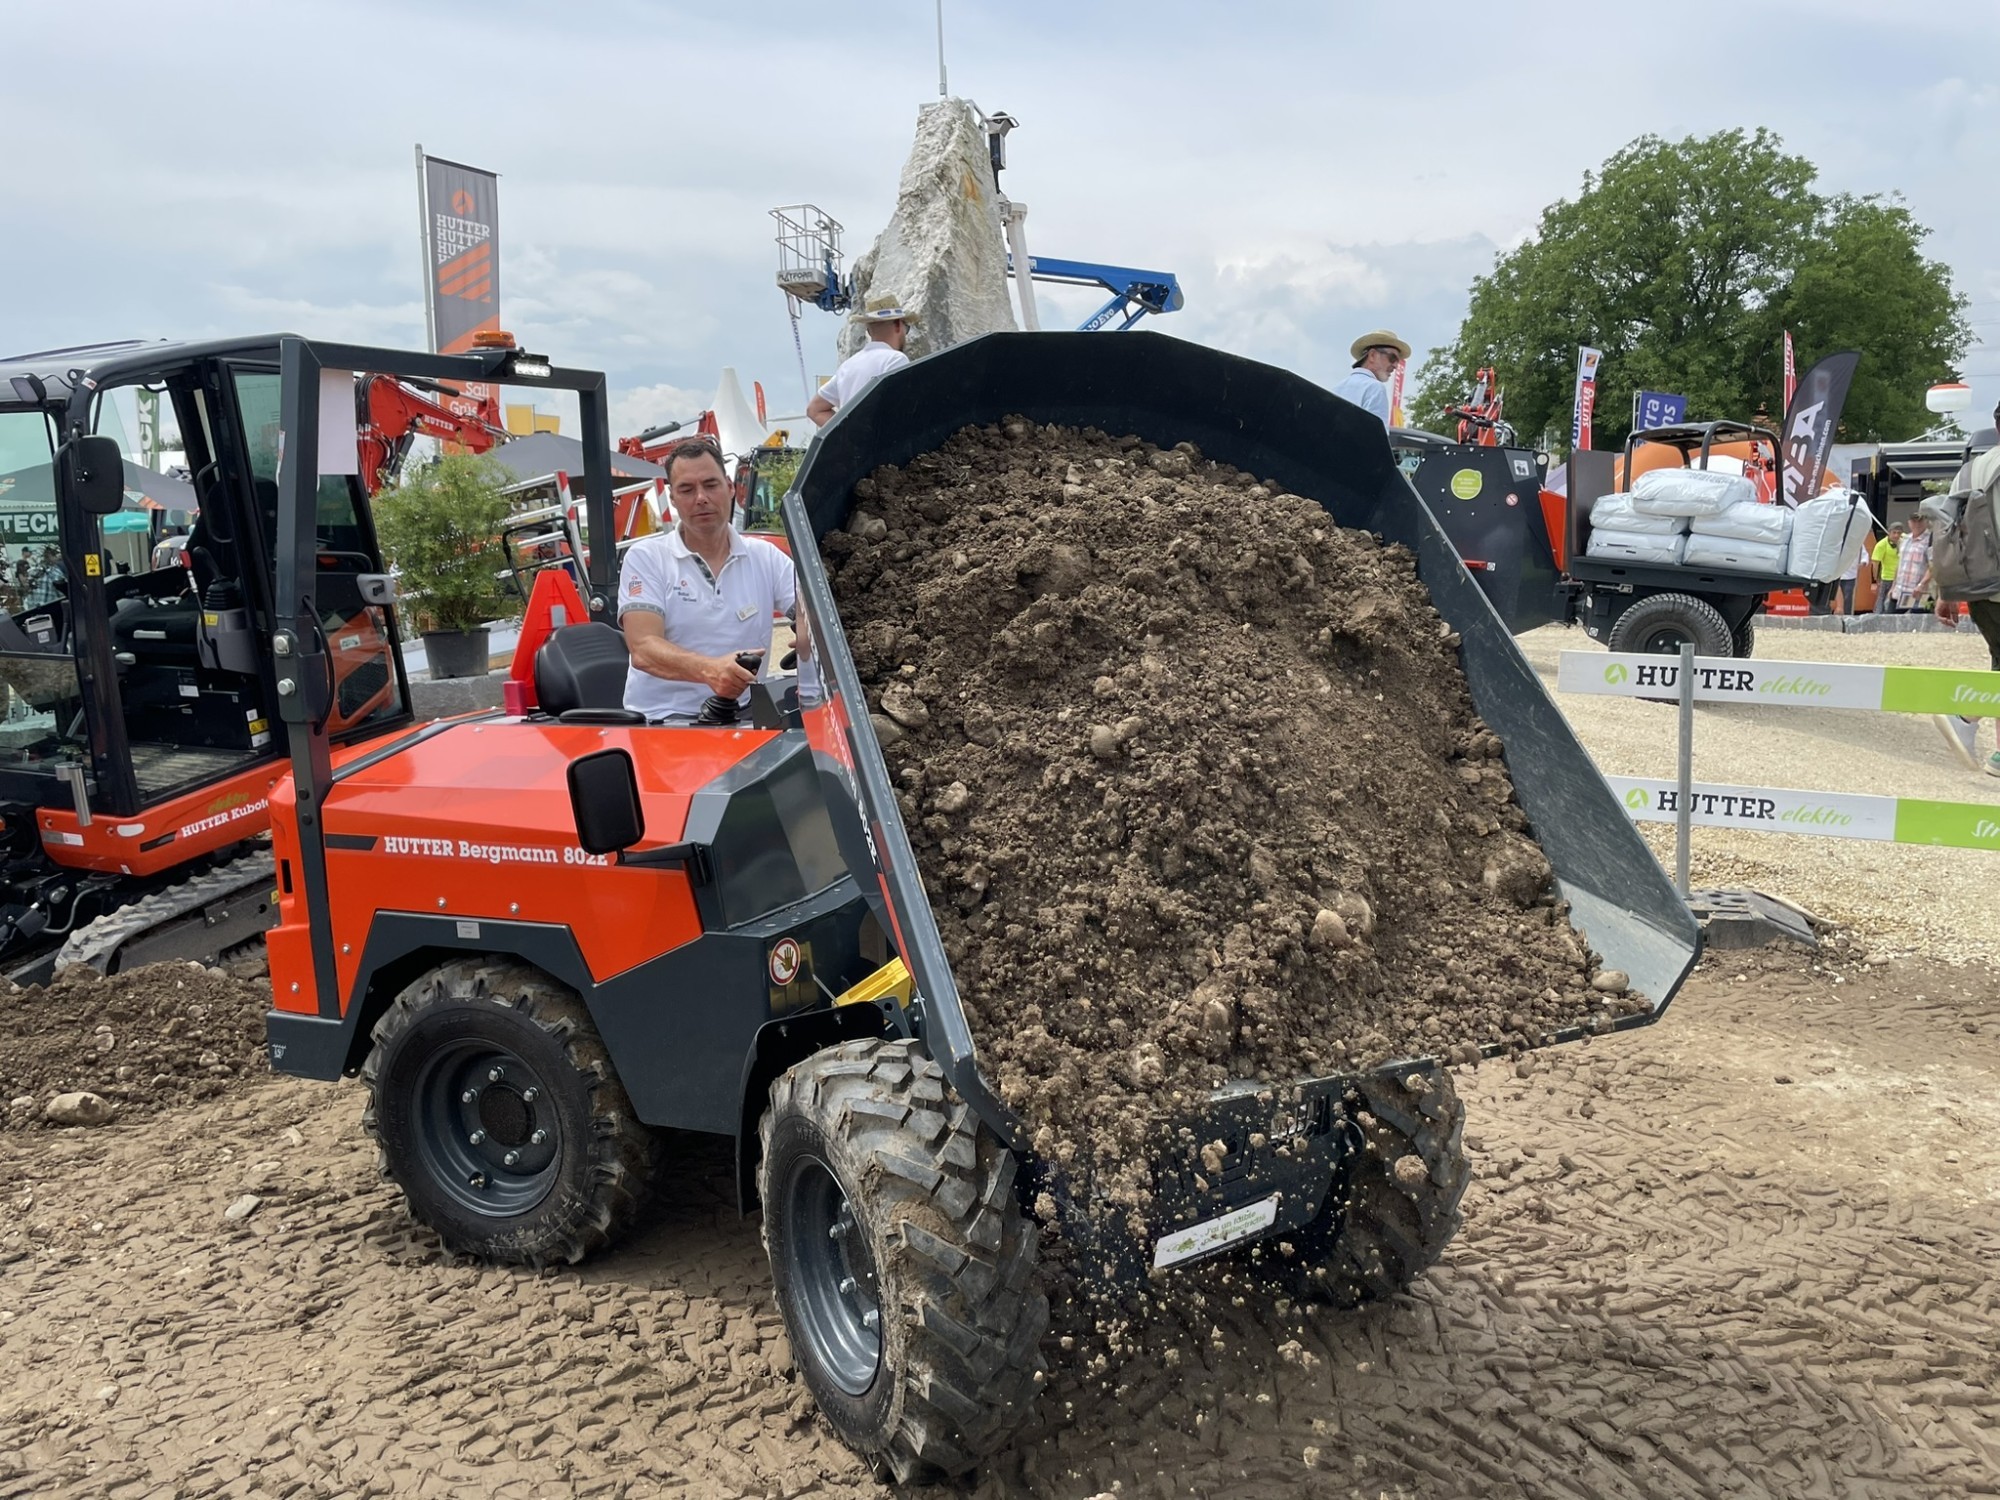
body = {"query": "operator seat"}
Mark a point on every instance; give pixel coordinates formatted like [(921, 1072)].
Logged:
[(162, 633), (580, 675)]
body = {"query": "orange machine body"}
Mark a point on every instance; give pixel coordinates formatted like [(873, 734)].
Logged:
[(472, 820)]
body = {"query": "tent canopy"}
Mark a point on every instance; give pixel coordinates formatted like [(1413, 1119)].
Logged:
[(542, 453), (36, 486)]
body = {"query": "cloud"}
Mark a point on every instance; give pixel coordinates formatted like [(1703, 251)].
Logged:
[(639, 407), (1302, 169)]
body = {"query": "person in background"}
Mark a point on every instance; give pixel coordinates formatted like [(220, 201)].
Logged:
[(1376, 356), (1843, 594), (1885, 569), (888, 323), (1979, 481), (1913, 565)]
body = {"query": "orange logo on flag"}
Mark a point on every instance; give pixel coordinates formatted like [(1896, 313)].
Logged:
[(461, 203)]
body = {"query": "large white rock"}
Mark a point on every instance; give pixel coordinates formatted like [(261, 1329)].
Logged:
[(943, 253)]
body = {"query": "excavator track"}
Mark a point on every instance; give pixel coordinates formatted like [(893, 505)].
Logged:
[(196, 920)]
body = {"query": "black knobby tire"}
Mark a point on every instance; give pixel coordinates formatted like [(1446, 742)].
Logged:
[(1396, 1215), (1660, 624), (883, 1194), (1743, 639), (482, 1060)]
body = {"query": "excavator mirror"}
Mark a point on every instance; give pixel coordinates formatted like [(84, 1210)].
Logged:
[(93, 470), (604, 800), (376, 588)]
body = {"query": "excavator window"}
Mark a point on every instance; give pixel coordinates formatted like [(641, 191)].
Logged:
[(41, 705), (368, 689)]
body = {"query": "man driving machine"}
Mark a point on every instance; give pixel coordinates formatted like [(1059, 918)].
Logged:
[(692, 599)]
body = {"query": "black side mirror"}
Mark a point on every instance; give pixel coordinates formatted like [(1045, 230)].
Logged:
[(93, 470), (604, 800)]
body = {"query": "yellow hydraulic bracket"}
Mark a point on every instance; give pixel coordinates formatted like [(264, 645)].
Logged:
[(891, 979)]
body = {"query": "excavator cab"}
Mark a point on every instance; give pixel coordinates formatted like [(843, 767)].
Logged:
[(139, 705)]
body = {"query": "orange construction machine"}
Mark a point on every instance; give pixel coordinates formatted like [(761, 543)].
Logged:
[(541, 933)]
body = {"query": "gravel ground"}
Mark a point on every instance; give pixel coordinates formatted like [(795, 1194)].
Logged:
[(1899, 899), (1746, 1252)]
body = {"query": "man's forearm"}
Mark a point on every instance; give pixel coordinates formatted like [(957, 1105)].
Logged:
[(820, 410), (657, 656)]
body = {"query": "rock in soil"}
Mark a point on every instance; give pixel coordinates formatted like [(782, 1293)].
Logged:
[(78, 1109), (158, 1035), (1226, 809)]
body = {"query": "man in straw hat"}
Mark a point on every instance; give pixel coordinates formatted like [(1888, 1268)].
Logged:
[(888, 323), (1376, 356)]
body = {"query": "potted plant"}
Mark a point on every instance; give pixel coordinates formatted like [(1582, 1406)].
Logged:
[(440, 528)]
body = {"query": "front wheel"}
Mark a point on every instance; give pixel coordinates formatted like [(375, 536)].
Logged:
[(499, 1115), (903, 1264)]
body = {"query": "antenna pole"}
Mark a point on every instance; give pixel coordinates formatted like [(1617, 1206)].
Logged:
[(943, 91)]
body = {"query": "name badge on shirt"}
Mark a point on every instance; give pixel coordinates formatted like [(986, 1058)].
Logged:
[(744, 614)]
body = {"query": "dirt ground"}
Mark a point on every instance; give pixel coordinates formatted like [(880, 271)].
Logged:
[(1747, 1251)]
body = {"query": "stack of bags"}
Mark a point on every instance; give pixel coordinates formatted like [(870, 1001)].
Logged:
[(1621, 531), (1705, 518)]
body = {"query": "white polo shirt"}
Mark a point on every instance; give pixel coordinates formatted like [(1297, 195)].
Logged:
[(1366, 392), (862, 369), (714, 616)]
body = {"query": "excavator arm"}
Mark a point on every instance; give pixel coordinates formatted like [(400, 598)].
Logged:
[(394, 412)]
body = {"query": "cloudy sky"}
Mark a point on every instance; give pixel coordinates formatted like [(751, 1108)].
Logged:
[(1307, 170)]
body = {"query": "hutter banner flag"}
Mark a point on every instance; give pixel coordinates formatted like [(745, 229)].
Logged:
[(1810, 423), (461, 251)]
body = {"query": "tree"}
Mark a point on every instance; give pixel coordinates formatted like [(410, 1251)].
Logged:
[(440, 527), (1685, 262)]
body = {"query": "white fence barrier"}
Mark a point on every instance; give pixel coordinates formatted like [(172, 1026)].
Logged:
[(1791, 684)]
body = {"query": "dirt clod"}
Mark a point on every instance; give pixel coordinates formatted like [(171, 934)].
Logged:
[(1228, 796)]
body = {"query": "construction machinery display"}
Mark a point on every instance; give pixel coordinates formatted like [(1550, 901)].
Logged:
[(539, 933)]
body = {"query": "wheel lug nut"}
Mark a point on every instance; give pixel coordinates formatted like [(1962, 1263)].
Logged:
[(538, 1137), (478, 1137), (468, 1096), (495, 1075), (529, 1096), (871, 1320), (847, 1286), (512, 1158), (478, 1180), (836, 1231)]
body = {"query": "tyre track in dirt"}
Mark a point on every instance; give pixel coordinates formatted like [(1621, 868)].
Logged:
[(1680, 1277)]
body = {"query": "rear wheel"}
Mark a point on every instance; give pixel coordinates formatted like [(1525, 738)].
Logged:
[(1400, 1207), (1744, 637), (1660, 624), (499, 1115), (903, 1264)]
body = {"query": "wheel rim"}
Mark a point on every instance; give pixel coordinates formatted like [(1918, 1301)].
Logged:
[(1667, 640), (833, 1278), (486, 1129)]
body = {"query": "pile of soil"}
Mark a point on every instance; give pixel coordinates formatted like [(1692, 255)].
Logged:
[(155, 1036), (1194, 780)]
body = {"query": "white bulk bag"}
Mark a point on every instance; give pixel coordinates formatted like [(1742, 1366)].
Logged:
[(1827, 534), (1689, 492), (1733, 552), (1750, 522), (1634, 546), (1616, 513)]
